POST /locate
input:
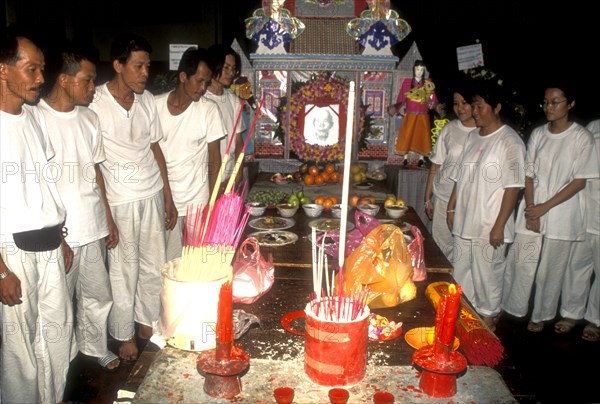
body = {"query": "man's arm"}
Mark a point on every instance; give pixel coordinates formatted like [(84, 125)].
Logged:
[(170, 209), (10, 286), (113, 232)]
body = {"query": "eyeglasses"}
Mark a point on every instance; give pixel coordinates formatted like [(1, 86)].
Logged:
[(553, 103)]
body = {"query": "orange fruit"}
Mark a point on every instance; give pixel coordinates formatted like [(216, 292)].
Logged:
[(327, 203), (319, 200), (330, 168), (309, 179), (333, 177), (313, 170), (319, 180), (325, 175), (334, 199)]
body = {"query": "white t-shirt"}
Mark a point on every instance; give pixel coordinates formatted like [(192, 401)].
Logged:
[(553, 161), (592, 188), (130, 170), (229, 104), (77, 144), (29, 199), (488, 165), (185, 146), (446, 154)]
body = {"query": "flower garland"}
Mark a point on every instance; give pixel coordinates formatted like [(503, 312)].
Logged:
[(322, 85)]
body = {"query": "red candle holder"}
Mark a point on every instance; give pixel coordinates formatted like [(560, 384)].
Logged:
[(439, 366), (221, 368), (338, 396)]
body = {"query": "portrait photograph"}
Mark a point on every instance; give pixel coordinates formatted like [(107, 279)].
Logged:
[(321, 124)]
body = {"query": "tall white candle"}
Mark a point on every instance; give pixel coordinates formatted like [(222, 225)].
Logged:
[(346, 182)]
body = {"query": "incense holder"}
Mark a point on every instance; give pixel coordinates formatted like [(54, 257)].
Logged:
[(221, 371), (440, 366)]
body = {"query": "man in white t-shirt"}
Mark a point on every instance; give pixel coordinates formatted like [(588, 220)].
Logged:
[(591, 332), (480, 210), (225, 64), (74, 131), (137, 189), (192, 127), (36, 314)]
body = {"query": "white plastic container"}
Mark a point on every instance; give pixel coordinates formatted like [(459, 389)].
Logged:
[(188, 315)]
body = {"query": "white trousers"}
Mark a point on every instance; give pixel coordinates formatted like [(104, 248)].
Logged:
[(521, 266), (479, 269), (439, 228), (36, 334), (175, 239), (548, 270), (134, 265), (576, 282), (592, 312), (88, 280)]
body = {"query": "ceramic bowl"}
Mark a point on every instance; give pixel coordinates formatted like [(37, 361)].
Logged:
[(256, 208), (336, 210), (312, 209), (395, 211), (287, 209), (369, 208)]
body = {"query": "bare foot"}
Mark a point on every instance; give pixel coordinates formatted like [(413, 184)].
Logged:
[(490, 323), (144, 331), (128, 350)]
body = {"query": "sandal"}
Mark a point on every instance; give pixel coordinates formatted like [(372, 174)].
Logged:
[(565, 326), (591, 333), (108, 360), (535, 327)]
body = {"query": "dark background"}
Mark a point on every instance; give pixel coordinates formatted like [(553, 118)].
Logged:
[(528, 43)]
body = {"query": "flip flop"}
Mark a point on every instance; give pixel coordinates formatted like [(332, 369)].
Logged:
[(565, 326), (591, 333), (107, 360)]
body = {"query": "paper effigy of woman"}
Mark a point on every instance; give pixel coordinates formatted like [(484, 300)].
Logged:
[(414, 135)]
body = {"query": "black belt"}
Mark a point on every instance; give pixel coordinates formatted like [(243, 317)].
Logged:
[(46, 239)]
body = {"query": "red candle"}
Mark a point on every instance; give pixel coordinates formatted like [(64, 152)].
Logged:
[(225, 314), (445, 319)]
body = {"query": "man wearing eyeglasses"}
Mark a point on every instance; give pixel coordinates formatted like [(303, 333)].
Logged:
[(225, 64)]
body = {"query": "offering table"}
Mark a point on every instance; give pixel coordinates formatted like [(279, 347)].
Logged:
[(277, 356)]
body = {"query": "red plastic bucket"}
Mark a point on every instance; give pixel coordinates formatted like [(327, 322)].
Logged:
[(335, 353)]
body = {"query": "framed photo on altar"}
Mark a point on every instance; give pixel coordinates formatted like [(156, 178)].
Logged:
[(375, 101), (321, 124)]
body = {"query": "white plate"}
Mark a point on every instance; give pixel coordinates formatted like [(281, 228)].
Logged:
[(274, 238), (271, 223), (364, 185), (329, 225)]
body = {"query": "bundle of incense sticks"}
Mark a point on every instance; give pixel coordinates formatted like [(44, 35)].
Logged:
[(340, 307), (214, 231)]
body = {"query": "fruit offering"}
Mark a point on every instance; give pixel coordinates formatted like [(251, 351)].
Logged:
[(392, 200), (269, 198), (298, 198), (358, 172), (313, 175), (282, 178)]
